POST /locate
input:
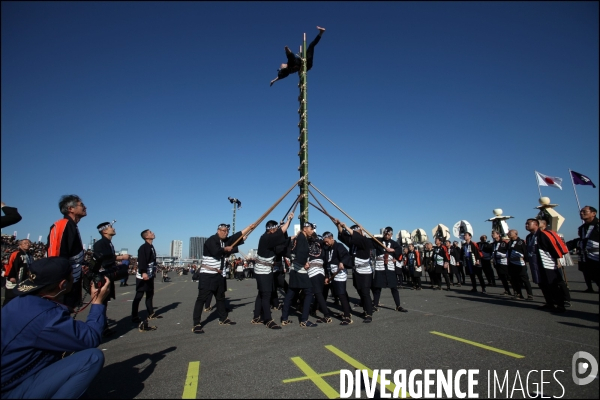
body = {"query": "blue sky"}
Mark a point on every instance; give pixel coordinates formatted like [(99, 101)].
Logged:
[(419, 113)]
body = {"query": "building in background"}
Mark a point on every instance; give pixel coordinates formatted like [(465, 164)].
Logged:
[(196, 247), (177, 249)]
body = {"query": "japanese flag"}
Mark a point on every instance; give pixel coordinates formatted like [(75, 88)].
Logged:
[(545, 180)]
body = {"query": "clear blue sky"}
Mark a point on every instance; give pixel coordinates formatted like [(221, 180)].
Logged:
[(419, 113)]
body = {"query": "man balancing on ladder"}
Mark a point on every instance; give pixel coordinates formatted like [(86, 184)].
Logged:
[(294, 63)]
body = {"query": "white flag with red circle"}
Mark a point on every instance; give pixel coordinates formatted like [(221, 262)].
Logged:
[(545, 180)]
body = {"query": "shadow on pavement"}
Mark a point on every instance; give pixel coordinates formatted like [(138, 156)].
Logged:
[(579, 325), (163, 310), (109, 384), (571, 313)]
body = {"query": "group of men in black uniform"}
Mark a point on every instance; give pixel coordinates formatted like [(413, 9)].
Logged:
[(316, 265), (320, 263)]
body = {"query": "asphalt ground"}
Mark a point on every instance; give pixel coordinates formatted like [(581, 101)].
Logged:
[(443, 330)]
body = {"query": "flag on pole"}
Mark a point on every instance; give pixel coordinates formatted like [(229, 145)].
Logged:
[(545, 180), (581, 179)]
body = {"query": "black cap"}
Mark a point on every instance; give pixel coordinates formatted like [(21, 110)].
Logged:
[(44, 272)]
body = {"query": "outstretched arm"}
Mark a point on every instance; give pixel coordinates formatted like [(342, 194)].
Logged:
[(273, 81), (285, 226)]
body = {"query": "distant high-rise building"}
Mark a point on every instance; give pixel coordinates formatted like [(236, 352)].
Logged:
[(177, 249), (196, 247), (296, 229)]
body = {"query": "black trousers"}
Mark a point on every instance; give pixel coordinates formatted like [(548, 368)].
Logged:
[(460, 277), (553, 287), (504, 279), (399, 276), (405, 275), (438, 278), (287, 302), (262, 305), (321, 303), (477, 272), (208, 301), (280, 282), (377, 296), (486, 265), (431, 277), (310, 52), (417, 281), (147, 288), (203, 294), (591, 273), (326, 290), (451, 275), (519, 278), (564, 288)]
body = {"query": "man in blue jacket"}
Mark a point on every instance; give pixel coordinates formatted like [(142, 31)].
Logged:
[(39, 335)]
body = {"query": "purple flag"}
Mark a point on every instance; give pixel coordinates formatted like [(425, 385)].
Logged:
[(581, 179)]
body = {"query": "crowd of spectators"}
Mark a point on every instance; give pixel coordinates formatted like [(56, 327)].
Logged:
[(10, 244)]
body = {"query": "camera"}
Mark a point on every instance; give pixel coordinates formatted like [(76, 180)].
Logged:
[(100, 266)]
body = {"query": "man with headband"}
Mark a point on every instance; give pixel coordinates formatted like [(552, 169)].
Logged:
[(299, 277), (360, 248), (274, 236), (338, 260), (385, 270), (212, 272), (316, 274), (144, 280), (104, 252)]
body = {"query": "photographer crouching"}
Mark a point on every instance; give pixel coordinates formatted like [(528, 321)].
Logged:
[(38, 333), (106, 261)]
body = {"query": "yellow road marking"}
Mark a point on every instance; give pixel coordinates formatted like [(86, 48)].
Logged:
[(191, 381), (357, 365), (303, 378), (164, 287), (330, 392), (483, 346)]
